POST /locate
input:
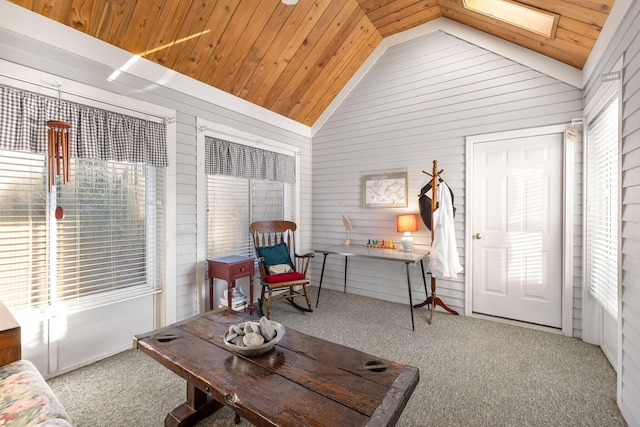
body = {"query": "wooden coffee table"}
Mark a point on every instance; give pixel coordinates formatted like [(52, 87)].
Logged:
[(303, 381)]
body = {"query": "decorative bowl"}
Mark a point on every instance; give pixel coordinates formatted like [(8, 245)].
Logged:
[(257, 350)]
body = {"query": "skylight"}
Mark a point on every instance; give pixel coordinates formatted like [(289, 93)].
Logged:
[(526, 17)]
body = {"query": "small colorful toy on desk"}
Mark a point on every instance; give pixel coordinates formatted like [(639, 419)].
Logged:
[(381, 244)]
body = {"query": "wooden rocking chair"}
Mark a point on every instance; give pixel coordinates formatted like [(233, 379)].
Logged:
[(281, 269)]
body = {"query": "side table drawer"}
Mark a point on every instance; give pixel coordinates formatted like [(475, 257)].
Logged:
[(238, 271)]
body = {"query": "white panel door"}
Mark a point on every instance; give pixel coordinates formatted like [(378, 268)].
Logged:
[(517, 229)]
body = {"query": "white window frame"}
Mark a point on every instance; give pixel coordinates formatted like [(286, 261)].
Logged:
[(228, 133)]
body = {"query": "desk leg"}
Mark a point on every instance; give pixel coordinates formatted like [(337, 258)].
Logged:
[(413, 327), (345, 274), (324, 261), (197, 407)]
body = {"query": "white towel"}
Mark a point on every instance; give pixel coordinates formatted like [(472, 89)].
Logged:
[(444, 253)]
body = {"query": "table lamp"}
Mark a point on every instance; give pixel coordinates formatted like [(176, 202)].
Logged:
[(406, 224)]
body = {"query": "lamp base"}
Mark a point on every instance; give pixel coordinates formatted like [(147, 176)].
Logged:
[(407, 243)]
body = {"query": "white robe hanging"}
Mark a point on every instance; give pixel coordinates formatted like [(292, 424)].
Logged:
[(445, 262)]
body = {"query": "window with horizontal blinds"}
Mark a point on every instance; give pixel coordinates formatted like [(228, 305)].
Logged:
[(234, 203), (109, 242), (601, 236), (109, 245), (228, 216), (111, 230), (244, 184), (24, 273)]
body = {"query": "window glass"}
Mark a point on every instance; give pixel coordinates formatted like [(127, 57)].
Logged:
[(23, 229), (109, 240), (234, 203), (601, 237)]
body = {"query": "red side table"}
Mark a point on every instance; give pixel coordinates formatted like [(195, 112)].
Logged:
[(231, 268)]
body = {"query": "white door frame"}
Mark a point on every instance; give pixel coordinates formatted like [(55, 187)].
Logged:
[(567, 216)]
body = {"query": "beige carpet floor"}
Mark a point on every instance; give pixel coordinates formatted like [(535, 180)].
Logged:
[(473, 372)]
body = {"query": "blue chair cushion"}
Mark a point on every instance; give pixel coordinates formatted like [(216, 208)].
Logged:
[(275, 255)]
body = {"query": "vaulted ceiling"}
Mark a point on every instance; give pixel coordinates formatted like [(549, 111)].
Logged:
[(294, 60)]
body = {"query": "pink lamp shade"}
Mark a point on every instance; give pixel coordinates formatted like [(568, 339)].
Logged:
[(407, 223)]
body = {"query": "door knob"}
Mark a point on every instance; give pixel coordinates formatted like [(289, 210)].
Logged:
[(477, 236)]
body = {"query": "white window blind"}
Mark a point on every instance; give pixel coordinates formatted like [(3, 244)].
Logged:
[(23, 229), (228, 216), (601, 236), (234, 203), (109, 243)]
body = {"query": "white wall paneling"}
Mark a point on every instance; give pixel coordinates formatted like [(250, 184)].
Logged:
[(417, 104)]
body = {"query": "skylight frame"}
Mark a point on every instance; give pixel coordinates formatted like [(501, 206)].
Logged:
[(523, 15)]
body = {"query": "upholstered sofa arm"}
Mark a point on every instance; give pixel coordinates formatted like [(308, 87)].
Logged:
[(26, 399)]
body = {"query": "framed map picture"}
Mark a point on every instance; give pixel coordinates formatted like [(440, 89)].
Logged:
[(387, 190)]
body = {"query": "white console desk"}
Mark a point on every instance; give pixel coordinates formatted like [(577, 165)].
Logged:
[(415, 257)]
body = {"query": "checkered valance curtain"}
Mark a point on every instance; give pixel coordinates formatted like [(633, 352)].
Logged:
[(95, 133), (231, 159)]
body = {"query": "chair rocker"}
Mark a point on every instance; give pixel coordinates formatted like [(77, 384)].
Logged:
[(281, 269)]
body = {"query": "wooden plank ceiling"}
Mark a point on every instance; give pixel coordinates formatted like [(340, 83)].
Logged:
[(294, 60)]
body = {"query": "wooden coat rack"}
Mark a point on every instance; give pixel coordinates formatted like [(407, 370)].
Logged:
[(433, 300)]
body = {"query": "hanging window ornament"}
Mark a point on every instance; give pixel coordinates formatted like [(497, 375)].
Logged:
[(58, 151)]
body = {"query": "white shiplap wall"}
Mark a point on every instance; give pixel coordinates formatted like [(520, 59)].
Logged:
[(417, 104), (627, 42)]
